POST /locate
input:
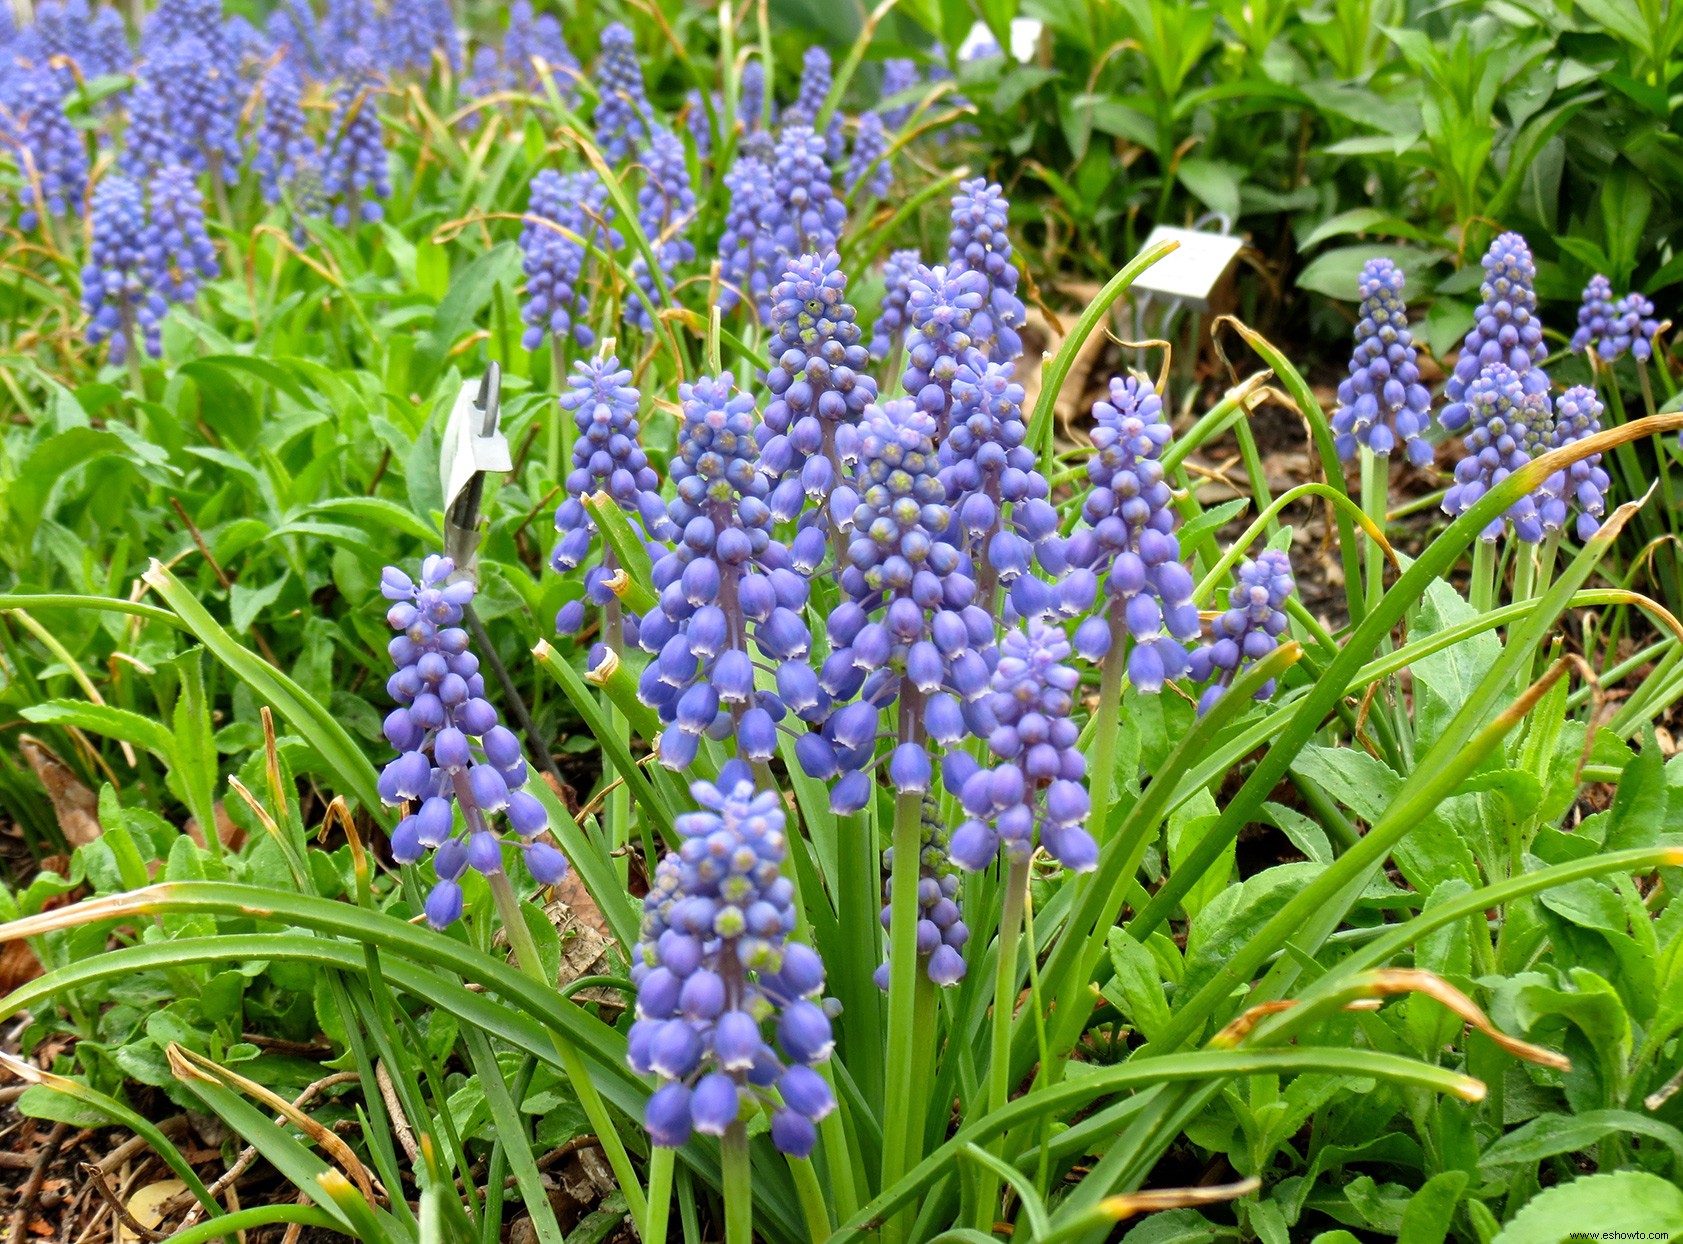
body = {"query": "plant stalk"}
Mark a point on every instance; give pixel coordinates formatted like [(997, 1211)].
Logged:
[(1004, 1006), (1107, 720), (738, 1182)]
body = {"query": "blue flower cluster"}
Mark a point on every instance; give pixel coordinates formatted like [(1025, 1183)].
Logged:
[(942, 304), (889, 331), (899, 75), (622, 112), (809, 215), (52, 157), (117, 289), (747, 247), (665, 205), (286, 150), (201, 97), (979, 243), (1582, 486), (941, 931), (1615, 327), (414, 30), (1383, 402), (179, 251), (607, 457), (817, 74), (1034, 792), (556, 301), (356, 174), (714, 968), (1506, 330), (869, 164), (1248, 629), (1129, 539), (818, 382), (727, 574), (531, 39), (1508, 423), (454, 753)]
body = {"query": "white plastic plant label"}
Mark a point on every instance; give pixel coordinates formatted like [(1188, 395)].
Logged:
[(1189, 273), (465, 451)]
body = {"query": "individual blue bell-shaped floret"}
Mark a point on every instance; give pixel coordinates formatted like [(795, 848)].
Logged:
[(942, 304), (51, 156), (899, 75), (286, 150), (718, 980), (534, 39), (817, 74), (1383, 402), (1596, 318), (941, 931), (1127, 546), (179, 251), (978, 242), (456, 761), (607, 457), (1583, 485), (889, 331), (1508, 426), (665, 208), (622, 111), (1248, 630), (1636, 326), (808, 216), (1034, 793), (748, 245), (117, 292), (1506, 330), (818, 380), (355, 175), (992, 478), (870, 165), (557, 303), (726, 581)]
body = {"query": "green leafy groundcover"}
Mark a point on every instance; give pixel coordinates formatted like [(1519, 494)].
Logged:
[(1382, 941)]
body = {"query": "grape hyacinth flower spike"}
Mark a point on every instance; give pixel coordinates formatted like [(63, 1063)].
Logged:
[(1248, 630), (1383, 402), (356, 176), (665, 206), (179, 250), (869, 164), (1636, 326), (117, 289), (728, 578), (1596, 318), (607, 457), (51, 153), (941, 931), (1128, 539), (818, 382), (1033, 794), (748, 245), (557, 302), (808, 216), (942, 304), (899, 75), (715, 969), (1582, 486), (455, 756), (889, 331), (1508, 426), (286, 150), (978, 242), (817, 73), (1506, 329), (622, 110)]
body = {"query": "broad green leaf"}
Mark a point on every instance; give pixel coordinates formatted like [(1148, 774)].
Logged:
[(1598, 1205)]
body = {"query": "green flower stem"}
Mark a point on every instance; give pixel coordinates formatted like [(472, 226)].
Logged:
[(1375, 498), (619, 797), (738, 1185), (1107, 720), (1482, 589), (898, 1140), (1004, 1006), (577, 1071), (562, 430), (811, 1194), (662, 1162)]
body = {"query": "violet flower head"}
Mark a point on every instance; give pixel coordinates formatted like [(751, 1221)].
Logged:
[(203, 98), (174, 20), (1506, 330), (726, 580), (117, 290), (531, 39), (1636, 325), (50, 151), (869, 163), (890, 329), (714, 969), (942, 304), (607, 457), (1596, 319), (486, 76), (748, 245), (622, 112), (809, 216), (1583, 485), (994, 483), (941, 931), (899, 75), (1508, 425), (285, 148), (292, 28), (1248, 630), (697, 121), (818, 382), (1383, 402), (665, 208), (356, 175), (751, 99), (817, 74), (413, 31), (344, 30), (455, 757), (179, 250), (978, 242), (1034, 791), (149, 140), (908, 627), (557, 302), (1128, 541)]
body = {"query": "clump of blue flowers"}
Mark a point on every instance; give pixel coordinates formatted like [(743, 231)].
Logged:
[(553, 262), (979, 243), (179, 250), (1508, 425), (117, 283), (356, 175), (942, 304), (665, 204), (456, 758), (1583, 485), (889, 331), (869, 164), (286, 150), (714, 968), (1506, 329), (1248, 629), (622, 113), (1383, 402)]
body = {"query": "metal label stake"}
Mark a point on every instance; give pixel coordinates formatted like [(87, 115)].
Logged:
[(472, 448)]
